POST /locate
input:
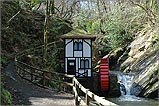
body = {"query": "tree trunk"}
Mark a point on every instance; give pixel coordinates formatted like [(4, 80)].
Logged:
[(46, 31)]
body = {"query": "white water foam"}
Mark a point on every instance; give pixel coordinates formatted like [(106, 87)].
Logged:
[(125, 81)]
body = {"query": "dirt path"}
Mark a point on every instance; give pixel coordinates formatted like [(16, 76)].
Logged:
[(25, 93)]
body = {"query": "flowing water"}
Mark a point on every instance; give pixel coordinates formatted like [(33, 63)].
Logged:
[(126, 99)]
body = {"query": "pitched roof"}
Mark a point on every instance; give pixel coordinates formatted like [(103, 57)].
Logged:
[(79, 37), (78, 34)]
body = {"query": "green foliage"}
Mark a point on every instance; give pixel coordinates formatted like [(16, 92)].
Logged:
[(26, 29), (58, 27), (54, 85), (21, 30), (3, 60), (92, 26), (29, 4), (6, 97), (117, 36), (121, 24)]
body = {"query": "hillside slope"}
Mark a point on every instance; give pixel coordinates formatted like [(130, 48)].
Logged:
[(143, 58)]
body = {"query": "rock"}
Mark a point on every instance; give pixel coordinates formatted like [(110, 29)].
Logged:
[(114, 56), (143, 58), (123, 57), (136, 89), (126, 64), (114, 90), (146, 82)]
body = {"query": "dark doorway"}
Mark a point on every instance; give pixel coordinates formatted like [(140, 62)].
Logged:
[(71, 67)]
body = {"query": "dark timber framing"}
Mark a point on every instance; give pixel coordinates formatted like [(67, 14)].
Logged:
[(79, 41)]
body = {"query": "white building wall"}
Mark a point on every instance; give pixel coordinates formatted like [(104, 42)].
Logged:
[(77, 65), (89, 72), (86, 50), (67, 40), (69, 49), (77, 53), (87, 40), (66, 65)]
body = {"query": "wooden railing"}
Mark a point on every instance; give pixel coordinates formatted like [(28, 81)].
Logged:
[(36, 75), (89, 96), (43, 78)]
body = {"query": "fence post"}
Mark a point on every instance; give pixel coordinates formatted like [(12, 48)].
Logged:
[(43, 79), (75, 92), (31, 75), (73, 84), (87, 98)]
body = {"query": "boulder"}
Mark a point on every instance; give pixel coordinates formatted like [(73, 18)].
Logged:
[(114, 90), (146, 82)]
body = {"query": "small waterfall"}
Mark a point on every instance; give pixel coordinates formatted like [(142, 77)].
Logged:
[(125, 81), (126, 98)]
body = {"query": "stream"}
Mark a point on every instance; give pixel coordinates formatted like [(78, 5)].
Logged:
[(126, 99)]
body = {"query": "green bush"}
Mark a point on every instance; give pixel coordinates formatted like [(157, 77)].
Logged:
[(6, 97)]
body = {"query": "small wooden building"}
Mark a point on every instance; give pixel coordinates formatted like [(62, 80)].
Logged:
[(78, 55)]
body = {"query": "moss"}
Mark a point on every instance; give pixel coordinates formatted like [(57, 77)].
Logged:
[(126, 63), (152, 89), (154, 50)]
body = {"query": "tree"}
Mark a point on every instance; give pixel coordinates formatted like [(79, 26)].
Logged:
[(49, 11)]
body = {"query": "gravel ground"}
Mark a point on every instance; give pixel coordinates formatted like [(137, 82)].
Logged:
[(25, 93)]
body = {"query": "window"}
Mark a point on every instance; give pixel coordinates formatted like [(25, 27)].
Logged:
[(82, 63), (75, 45), (78, 46), (85, 63)]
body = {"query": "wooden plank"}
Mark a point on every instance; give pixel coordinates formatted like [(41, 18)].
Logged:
[(79, 85), (69, 76), (101, 100), (87, 98), (76, 96), (81, 101), (29, 72), (45, 78), (93, 96)]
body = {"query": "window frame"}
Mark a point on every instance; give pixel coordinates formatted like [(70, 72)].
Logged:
[(83, 65), (78, 46), (75, 46)]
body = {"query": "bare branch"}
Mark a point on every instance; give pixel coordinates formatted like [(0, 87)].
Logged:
[(148, 12), (14, 16)]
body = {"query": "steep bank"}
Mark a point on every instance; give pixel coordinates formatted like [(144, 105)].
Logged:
[(143, 59)]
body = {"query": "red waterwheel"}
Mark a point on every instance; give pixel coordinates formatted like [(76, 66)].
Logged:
[(104, 74)]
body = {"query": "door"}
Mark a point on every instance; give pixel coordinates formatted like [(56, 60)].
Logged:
[(71, 67)]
